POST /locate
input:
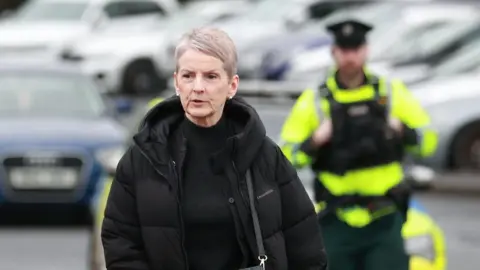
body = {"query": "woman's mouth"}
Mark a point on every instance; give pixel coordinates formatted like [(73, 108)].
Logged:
[(197, 101)]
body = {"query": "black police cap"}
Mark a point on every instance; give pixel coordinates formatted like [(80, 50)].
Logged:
[(349, 33)]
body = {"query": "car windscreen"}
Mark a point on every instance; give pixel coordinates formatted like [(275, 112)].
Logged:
[(52, 11), (375, 14), (370, 13), (196, 13), (465, 60), (429, 42), (31, 94)]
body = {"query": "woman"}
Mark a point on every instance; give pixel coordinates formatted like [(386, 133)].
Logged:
[(181, 200)]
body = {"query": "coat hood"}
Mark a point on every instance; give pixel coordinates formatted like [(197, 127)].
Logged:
[(242, 147)]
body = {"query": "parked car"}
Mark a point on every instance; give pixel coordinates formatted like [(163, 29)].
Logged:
[(452, 102), (40, 28), (123, 57), (58, 137)]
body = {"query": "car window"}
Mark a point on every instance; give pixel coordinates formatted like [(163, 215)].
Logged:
[(200, 13), (51, 11), (32, 94), (119, 9), (430, 42), (371, 13), (410, 39), (263, 11), (465, 60), (321, 9)]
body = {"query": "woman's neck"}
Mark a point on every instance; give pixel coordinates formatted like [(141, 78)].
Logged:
[(205, 137), (207, 121)]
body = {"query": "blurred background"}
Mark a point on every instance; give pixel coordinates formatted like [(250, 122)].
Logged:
[(76, 77)]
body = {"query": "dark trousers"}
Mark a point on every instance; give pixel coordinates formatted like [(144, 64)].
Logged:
[(378, 246)]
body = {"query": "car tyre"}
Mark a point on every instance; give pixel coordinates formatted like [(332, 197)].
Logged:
[(466, 149), (142, 78)]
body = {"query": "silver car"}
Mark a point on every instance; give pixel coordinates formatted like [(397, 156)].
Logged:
[(453, 104)]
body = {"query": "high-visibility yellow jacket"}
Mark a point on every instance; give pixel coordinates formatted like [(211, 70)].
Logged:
[(308, 112)]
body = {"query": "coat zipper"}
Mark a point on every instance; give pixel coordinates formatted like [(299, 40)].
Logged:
[(238, 180), (182, 225), (182, 235)]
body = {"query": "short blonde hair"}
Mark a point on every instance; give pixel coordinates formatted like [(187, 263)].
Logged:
[(210, 41)]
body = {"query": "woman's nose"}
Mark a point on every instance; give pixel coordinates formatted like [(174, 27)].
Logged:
[(199, 84)]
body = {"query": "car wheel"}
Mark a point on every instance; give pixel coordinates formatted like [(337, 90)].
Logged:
[(142, 78), (466, 149)]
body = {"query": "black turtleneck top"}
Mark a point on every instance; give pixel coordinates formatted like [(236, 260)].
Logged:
[(210, 235)]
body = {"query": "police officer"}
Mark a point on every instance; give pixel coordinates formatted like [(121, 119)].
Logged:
[(352, 131)]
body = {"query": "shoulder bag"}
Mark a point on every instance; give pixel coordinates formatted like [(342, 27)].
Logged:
[(262, 257)]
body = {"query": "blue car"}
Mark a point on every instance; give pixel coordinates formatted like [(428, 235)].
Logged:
[(59, 138)]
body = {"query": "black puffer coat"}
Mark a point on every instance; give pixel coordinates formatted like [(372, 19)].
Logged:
[(142, 229)]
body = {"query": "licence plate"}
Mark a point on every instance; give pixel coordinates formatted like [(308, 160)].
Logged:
[(43, 178)]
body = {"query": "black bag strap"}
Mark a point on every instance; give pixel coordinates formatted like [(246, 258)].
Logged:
[(262, 257)]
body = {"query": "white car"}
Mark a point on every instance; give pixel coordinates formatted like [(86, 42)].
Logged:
[(41, 28), (135, 57), (452, 103), (123, 58)]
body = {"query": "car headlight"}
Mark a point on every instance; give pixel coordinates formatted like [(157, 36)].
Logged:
[(421, 246), (110, 157)]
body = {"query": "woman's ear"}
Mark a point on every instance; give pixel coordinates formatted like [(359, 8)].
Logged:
[(232, 91), (175, 83)]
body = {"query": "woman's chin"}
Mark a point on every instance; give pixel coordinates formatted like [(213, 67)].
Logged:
[(199, 112)]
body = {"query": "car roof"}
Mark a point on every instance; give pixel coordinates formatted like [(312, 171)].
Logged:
[(39, 66)]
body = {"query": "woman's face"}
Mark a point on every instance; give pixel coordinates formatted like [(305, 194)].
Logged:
[(203, 85)]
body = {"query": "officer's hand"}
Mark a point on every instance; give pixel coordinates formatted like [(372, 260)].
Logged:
[(395, 124), (323, 133)]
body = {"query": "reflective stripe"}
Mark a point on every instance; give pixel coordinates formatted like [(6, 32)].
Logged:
[(374, 181), (360, 217), (359, 94)]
